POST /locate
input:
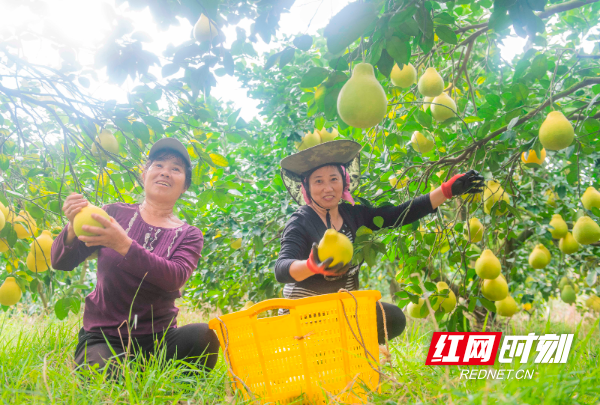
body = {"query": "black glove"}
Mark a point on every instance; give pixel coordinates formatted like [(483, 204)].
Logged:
[(318, 267), (467, 183)]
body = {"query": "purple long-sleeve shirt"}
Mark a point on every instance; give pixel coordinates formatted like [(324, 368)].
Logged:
[(159, 262)]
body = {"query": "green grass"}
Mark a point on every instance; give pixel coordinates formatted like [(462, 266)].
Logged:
[(36, 355)]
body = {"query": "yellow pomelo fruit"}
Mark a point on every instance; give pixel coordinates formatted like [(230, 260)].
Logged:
[(205, 29), (487, 266), (236, 244), (447, 304), (568, 244), (593, 303), (527, 306), (4, 246), (475, 230), (568, 294), (494, 193), (414, 310), (427, 103), (431, 83), (420, 143), (37, 266), (507, 307), (538, 259), (405, 77), (443, 107), (398, 183), (556, 132), (532, 158), (10, 293), (42, 245), (551, 198), (559, 227), (563, 282), (24, 225), (4, 211), (108, 141), (310, 139), (336, 245), (362, 102), (496, 289), (328, 136), (247, 305), (586, 231), (84, 217), (591, 198)]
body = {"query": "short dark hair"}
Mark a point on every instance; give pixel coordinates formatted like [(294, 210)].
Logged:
[(307, 175), (165, 154)]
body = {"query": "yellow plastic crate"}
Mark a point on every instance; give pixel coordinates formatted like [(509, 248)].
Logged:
[(309, 354)]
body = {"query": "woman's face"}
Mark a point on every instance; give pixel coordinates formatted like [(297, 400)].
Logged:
[(326, 186), (164, 180)]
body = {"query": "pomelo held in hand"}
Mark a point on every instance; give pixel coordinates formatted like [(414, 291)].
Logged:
[(568, 244), (556, 132), (558, 227), (420, 143), (496, 289), (443, 107), (337, 245), (586, 231), (205, 29), (405, 77), (431, 83), (362, 102), (591, 198), (487, 265), (10, 293), (84, 217)]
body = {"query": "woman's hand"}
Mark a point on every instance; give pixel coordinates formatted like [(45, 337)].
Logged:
[(318, 267), (111, 236)]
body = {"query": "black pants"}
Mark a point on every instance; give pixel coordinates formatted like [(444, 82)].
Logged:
[(395, 322), (194, 343)]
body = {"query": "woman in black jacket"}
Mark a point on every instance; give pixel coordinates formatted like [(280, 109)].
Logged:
[(318, 179)]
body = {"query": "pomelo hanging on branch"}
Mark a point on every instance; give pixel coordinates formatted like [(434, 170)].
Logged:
[(405, 77), (591, 198), (556, 132), (10, 292), (362, 102), (431, 83)]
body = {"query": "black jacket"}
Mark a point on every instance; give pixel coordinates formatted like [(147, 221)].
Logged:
[(305, 227)]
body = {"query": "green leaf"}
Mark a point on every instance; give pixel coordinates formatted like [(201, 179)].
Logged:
[(425, 23), (140, 131), (303, 42), (35, 211), (489, 305), (401, 17), (258, 244), (378, 221), (287, 55), (314, 77), (61, 308), (272, 60), (348, 25), (444, 18), (446, 34), (398, 50), (170, 69), (423, 118), (4, 162), (410, 28), (385, 64)]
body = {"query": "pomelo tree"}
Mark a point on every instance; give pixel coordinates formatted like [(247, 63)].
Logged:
[(50, 121)]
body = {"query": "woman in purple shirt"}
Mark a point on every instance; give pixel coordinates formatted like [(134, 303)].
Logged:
[(145, 255)]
